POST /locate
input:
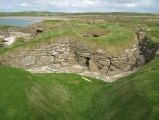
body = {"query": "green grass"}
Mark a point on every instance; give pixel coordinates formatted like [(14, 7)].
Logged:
[(153, 36), (115, 13), (69, 97), (3, 27), (116, 36), (51, 21), (45, 96), (119, 38), (131, 98)]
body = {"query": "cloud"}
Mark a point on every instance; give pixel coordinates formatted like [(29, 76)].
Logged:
[(10, 6), (124, 1), (81, 5), (67, 3), (132, 5), (23, 4)]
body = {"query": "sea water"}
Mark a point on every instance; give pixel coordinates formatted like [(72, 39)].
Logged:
[(23, 22)]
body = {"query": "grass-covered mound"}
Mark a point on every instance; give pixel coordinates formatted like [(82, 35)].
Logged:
[(26, 96), (69, 97), (131, 98), (114, 40)]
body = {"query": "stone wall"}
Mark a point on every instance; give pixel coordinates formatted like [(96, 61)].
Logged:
[(6, 35), (69, 57), (65, 56), (146, 52), (55, 56), (99, 62)]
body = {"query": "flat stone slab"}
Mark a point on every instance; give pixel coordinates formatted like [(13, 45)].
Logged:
[(93, 67), (8, 41)]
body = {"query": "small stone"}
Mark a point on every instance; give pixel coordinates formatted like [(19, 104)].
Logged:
[(116, 72), (127, 50), (100, 51), (105, 63), (29, 60), (85, 54)]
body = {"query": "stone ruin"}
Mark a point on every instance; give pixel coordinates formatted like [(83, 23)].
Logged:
[(8, 35), (70, 57)]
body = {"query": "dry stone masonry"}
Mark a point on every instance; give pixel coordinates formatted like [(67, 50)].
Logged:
[(71, 57), (9, 35)]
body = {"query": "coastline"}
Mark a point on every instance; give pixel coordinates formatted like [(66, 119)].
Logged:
[(37, 17)]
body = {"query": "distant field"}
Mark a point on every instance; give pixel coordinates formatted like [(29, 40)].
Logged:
[(45, 13)]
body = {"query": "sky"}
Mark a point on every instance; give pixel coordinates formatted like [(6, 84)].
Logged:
[(73, 6)]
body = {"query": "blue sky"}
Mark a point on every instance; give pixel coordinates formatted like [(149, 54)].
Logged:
[(72, 6)]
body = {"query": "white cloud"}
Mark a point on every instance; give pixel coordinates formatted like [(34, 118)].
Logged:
[(23, 4), (85, 3), (69, 3), (81, 5), (132, 5)]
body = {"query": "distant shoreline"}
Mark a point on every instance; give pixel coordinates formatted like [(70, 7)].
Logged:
[(37, 17)]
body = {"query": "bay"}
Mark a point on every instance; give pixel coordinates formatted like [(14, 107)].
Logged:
[(23, 22)]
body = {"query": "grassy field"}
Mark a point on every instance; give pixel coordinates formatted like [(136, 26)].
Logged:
[(69, 97), (45, 13)]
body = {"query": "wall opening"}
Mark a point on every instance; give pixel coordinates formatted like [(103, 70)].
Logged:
[(87, 62)]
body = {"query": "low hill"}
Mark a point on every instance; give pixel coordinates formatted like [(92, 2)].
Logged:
[(66, 96)]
